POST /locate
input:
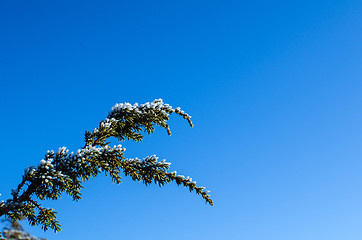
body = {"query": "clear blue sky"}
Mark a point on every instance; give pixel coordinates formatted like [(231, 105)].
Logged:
[(274, 89)]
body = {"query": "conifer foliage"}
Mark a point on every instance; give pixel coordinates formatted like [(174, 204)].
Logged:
[(64, 172), (14, 231)]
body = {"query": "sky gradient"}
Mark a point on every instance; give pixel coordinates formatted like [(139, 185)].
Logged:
[(273, 87)]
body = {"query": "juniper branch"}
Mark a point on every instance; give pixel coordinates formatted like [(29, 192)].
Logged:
[(64, 171)]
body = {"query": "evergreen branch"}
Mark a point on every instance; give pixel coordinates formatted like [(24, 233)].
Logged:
[(64, 172)]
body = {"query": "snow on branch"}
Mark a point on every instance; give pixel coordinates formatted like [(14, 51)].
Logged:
[(64, 172)]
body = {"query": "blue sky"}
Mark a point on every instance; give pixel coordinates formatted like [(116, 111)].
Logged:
[(274, 89)]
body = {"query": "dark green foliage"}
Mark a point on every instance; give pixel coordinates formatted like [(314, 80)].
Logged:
[(64, 172)]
